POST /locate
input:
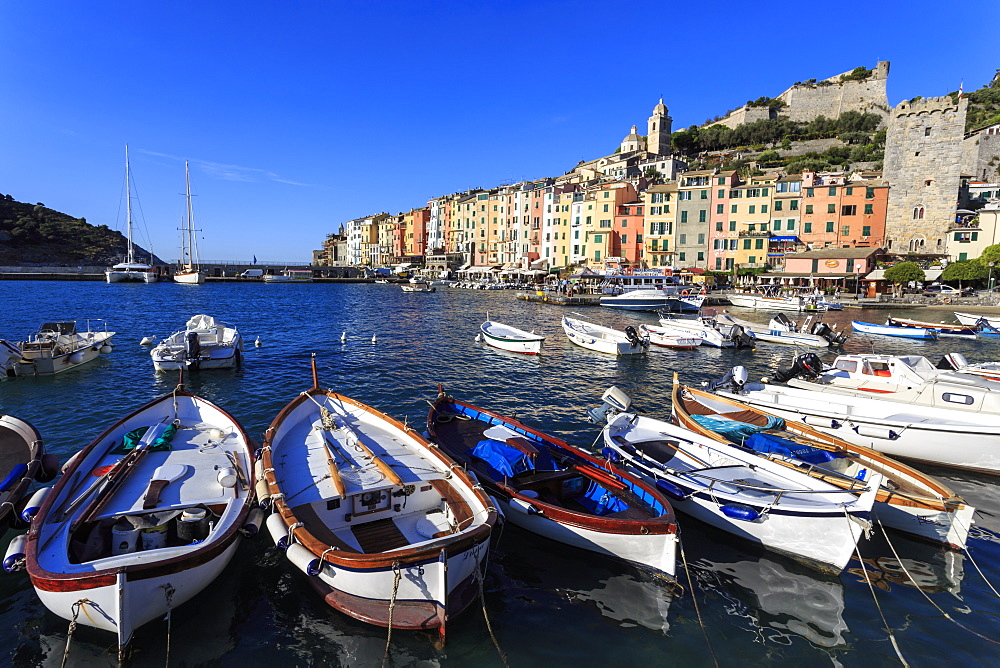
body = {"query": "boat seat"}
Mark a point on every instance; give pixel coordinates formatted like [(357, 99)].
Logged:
[(522, 444)]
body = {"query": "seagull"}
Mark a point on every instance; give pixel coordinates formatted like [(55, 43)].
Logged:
[(343, 337), (374, 339), (257, 343), (147, 341)]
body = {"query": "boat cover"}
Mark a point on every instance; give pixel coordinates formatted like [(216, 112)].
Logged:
[(599, 501), (161, 440), (735, 430), (771, 443), (509, 461)]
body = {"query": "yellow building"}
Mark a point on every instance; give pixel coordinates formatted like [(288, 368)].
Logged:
[(661, 214), (750, 207)]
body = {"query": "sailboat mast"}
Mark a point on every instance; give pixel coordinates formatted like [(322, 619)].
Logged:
[(188, 242), (128, 208)]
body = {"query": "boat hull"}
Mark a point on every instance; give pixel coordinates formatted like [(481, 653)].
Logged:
[(887, 330), (600, 339), (515, 341), (131, 276), (190, 277)]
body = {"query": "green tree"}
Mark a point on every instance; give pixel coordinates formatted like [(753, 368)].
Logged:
[(990, 254), (964, 270), (904, 272)]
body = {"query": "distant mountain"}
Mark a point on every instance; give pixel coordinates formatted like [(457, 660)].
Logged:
[(32, 234)]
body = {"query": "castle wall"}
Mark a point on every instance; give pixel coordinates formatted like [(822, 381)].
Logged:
[(923, 167), (981, 157), (832, 97)]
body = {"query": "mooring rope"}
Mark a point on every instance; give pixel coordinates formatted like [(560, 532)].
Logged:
[(489, 627), (392, 604), (978, 570), (72, 627), (929, 599), (168, 592), (885, 624), (694, 599)]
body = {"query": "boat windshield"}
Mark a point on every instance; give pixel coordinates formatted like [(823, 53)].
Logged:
[(920, 365)]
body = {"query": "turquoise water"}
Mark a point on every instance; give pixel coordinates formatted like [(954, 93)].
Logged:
[(547, 604)]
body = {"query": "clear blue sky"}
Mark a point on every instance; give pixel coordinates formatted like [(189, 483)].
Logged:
[(297, 116)]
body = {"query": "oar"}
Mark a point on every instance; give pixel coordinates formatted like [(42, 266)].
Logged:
[(162, 476), (335, 477)]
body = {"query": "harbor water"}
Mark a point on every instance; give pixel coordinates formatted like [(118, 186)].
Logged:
[(546, 604)]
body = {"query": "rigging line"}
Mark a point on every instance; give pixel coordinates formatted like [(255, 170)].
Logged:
[(694, 599), (929, 599), (864, 570)]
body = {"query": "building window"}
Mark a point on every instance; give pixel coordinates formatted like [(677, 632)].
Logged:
[(720, 208), (684, 216), (832, 191), (656, 244), (866, 231), (732, 225), (763, 208), (722, 193), (721, 181), (702, 215), (869, 193), (927, 132), (849, 210), (605, 208), (681, 256), (747, 243), (809, 209), (807, 228), (868, 209), (963, 256), (701, 256), (777, 205), (624, 239), (831, 208), (704, 194), (718, 263), (815, 266), (790, 225), (850, 264), (753, 259), (758, 244), (845, 230), (829, 226), (682, 239), (794, 205), (809, 192), (624, 223), (597, 255), (598, 238), (918, 213), (732, 208), (701, 239), (753, 208), (718, 226)]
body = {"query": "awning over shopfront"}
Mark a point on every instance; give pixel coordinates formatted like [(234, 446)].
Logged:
[(929, 275)]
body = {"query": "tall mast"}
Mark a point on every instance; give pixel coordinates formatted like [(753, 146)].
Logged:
[(128, 208), (190, 219)]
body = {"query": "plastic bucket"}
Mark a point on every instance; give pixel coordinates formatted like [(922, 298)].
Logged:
[(154, 538), (124, 537)]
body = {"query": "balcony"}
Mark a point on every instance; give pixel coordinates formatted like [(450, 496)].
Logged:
[(755, 233)]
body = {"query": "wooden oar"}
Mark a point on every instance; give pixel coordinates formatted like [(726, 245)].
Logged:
[(335, 477)]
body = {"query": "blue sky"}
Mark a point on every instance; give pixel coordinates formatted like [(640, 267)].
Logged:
[(297, 116)]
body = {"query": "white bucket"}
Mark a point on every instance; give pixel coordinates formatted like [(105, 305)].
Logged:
[(227, 477), (123, 538), (154, 538)]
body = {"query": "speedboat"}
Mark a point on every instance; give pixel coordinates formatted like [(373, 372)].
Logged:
[(555, 490), (10, 356), (509, 338), (984, 323), (204, 343), (770, 299), (667, 338), (290, 276), (418, 286), (710, 331), (669, 298), (957, 362), (908, 500), (951, 421), (58, 346), (782, 329), (145, 517), (388, 529), (605, 339), (734, 490)]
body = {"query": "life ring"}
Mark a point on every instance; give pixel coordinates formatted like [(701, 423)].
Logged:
[(685, 293), (946, 300)]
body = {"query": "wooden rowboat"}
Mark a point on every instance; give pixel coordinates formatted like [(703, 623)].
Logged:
[(386, 528), (509, 338), (145, 517), (22, 460)]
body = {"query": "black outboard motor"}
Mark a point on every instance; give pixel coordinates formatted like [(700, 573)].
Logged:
[(741, 338), (193, 349), (806, 365), (632, 334), (829, 333), (734, 380), (785, 320)]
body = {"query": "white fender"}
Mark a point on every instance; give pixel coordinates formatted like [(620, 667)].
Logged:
[(71, 461), (278, 529), (34, 504), (254, 520), (263, 494), (876, 431), (13, 561), (105, 350), (524, 507), (817, 421), (304, 560), (258, 469), (76, 358)]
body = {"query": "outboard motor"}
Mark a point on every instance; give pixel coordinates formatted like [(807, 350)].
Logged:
[(806, 365), (615, 401), (734, 380), (785, 321), (828, 333), (953, 362), (632, 334), (742, 338), (193, 349)]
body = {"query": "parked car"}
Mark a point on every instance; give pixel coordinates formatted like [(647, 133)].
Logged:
[(947, 291)]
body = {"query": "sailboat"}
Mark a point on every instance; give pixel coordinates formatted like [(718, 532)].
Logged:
[(190, 272), (130, 270)]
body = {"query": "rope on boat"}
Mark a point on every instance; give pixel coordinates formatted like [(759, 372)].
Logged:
[(72, 627), (168, 592), (864, 569), (694, 599), (489, 627), (929, 599), (392, 604)]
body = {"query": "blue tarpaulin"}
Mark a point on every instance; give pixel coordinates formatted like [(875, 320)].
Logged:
[(788, 448), (734, 430), (504, 459)]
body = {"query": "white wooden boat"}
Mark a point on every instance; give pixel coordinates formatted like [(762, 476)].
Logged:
[(899, 424), (710, 331), (506, 337), (555, 490), (290, 276), (973, 320), (22, 460), (889, 330), (62, 345), (130, 270), (417, 286), (204, 343), (737, 491), (130, 533), (604, 339), (780, 329), (190, 271), (908, 500), (386, 528), (773, 302), (667, 338), (957, 362), (943, 330)]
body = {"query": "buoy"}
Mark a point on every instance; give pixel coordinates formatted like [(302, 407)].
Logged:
[(254, 520), (34, 504), (479, 338), (738, 511), (13, 561), (106, 350), (374, 339), (306, 561), (263, 494), (278, 530), (146, 341), (343, 337), (49, 468), (218, 433), (257, 343), (817, 421), (227, 477)]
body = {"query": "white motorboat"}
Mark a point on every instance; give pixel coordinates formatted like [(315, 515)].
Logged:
[(58, 346), (290, 276), (908, 500), (416, 285), (770, 299), (130, 270), (555, 490), (605, 339), (204, 343), (949, 427), (669, 298), (973, 320), (781, 329), (506, 337), (710, 331), (145, 517), (386, 527), (667, 338), (891, 330), (737, 491), (957, 362), (190, 271)]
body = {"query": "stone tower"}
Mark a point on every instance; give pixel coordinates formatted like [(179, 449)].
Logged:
[(658, 134), (923, 158)]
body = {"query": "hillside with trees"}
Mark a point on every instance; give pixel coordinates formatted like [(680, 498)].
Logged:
[(33, 234)]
